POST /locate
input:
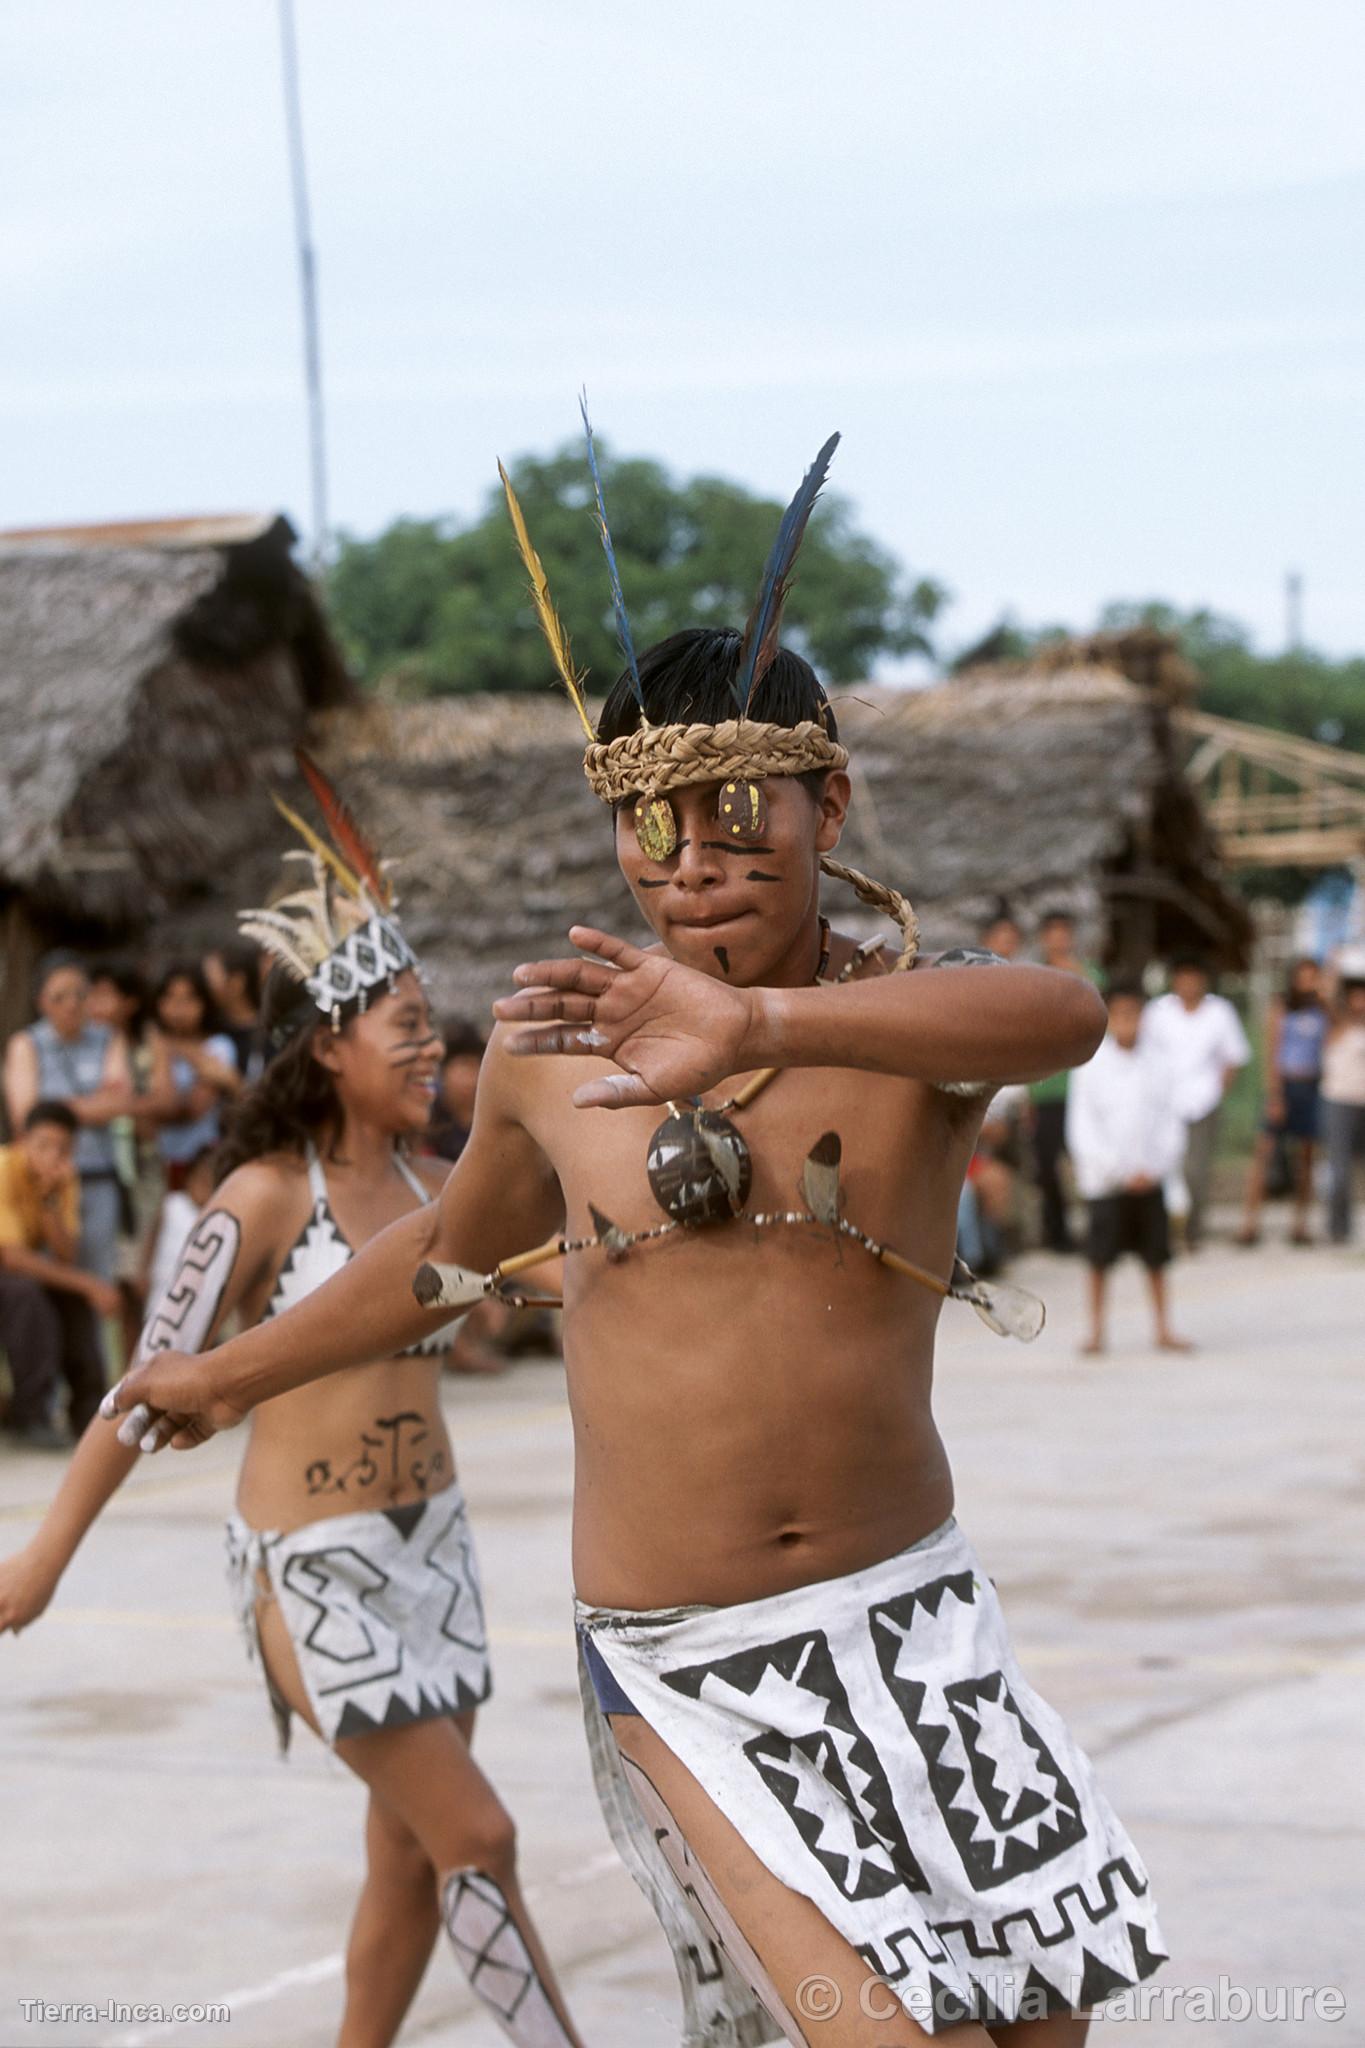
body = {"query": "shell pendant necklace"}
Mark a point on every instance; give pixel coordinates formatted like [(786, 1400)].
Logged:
[(699, 1165)]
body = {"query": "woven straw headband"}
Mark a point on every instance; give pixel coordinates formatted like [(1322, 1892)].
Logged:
[(656, 758)]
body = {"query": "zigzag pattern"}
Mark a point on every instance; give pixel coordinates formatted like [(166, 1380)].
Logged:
[(801, 1669)]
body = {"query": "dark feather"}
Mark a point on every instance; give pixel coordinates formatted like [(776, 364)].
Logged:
[(347, 837), (617, 596), (760, 641)]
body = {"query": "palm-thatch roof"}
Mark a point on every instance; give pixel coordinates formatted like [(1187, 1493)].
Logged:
[(150, 677)]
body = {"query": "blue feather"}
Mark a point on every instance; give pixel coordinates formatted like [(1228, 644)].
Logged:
[(759, 644), (617, 599)]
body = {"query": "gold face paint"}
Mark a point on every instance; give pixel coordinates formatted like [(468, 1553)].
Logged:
[(742, 810), (656, 827)]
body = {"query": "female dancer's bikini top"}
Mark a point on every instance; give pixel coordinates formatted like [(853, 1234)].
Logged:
[(320, 1250)]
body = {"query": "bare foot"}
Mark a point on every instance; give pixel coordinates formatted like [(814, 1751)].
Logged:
[(1166, 1341), (1093, 1349)]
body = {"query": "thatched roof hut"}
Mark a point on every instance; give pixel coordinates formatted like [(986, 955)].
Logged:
[(1053, 786), (152, 676)]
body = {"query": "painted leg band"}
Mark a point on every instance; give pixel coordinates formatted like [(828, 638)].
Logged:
[(491, 1950)]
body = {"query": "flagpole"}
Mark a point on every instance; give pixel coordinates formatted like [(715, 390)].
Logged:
[(308, 282)]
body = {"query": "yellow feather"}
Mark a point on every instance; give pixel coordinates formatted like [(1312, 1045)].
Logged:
[(349, 881), (551, 625)]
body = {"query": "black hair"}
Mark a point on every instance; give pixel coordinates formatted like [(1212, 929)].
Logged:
[(1000, 912), (1190, 963), (461, 1039), (54, 963), (193, 973), (127, 977), (688, 679), (1133, 990), (243, 956), (1301, 999), (1057, 917), (294, 1100), (52, 1113)]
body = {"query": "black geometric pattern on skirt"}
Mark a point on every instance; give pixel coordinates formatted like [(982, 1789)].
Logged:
[(880, 1860), (1013, 1809), (339, 1635)]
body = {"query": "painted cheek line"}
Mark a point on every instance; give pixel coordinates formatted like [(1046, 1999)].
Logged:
[(757, 875), (724, 846)]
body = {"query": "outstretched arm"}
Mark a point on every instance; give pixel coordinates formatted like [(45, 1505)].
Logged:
[(674, 1032), (501, 1198), (227, 1251)]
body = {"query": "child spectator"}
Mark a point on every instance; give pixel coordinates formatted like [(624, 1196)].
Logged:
[(453, 1116), (1343, 1092), (48, 1304), (1296, 1030), (1125, 1134), (176, 1217), (233, 974), (199, 1063), (1200, 1037)]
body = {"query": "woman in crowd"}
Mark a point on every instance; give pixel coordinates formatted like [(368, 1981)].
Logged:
[(67, 1057), (1296, 1031), (350, 1556)]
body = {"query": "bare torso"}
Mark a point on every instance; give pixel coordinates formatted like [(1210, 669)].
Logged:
[(370, 1436), (752, 1407)]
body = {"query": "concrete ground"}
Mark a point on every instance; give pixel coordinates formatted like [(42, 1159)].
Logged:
[(1180, 1544)]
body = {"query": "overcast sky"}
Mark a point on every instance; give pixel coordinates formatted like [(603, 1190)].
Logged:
[(1080, 280)]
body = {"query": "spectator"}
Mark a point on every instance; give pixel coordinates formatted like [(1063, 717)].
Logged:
[(1296, 1029), (1001, 934), (179, 1211), (1047, 1098), (48, 1304), (1343, 1093), (1201, 1039), (453, 1116), (196, 1061), (65, 1057), (233, 974), (1125, 1136)]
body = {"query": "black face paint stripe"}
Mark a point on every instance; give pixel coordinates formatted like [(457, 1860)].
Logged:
[(728, 846), (643, 884), (757, 875), (723, 957)]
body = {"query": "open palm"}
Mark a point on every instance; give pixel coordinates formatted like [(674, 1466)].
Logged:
[(674, 1032)]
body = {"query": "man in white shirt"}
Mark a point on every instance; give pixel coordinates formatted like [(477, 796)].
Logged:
[(1124, 1135), (1201, 1038)]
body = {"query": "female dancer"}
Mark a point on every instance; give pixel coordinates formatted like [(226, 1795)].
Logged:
[(349, 1554)]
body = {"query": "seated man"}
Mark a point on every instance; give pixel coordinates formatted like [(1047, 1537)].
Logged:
[(48, 1305)]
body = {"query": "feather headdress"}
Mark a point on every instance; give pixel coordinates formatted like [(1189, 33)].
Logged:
[(618, 601), (761, 634), (338, 936), (551, 625)]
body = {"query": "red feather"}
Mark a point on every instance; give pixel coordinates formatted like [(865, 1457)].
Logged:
[(347, 837)]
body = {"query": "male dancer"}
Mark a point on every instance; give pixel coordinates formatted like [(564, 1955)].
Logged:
[(803, 1668)]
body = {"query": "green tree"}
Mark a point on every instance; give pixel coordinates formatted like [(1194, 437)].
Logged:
[(432, 608), (1296, 691)]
